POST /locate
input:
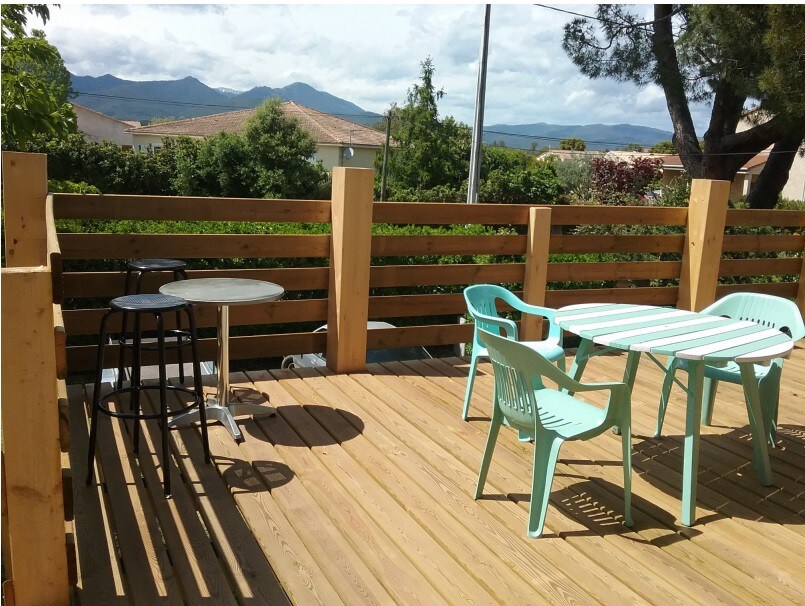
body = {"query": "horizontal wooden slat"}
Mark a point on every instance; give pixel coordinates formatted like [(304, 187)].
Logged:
[(515, 245), (87, 321), (616, 244), (445, 275), (759, 267), (401, 306), (438, 213), (649, 295), (81, 358), (779, 289), (176, 208), (388, 246), (635, 270), (412, 336), (755, 243), (192, 246), (773, 218), (111, 283)]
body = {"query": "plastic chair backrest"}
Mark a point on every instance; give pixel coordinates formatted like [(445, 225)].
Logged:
[(766, 310), (517, 370), (480, 300)]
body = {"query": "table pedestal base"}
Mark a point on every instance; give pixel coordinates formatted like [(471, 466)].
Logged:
[(225, 414)]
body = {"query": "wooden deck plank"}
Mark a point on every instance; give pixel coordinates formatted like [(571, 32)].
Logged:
[(418, 544), (513, 472), (100, 576), (487, 546), (725, 535), (148, 568), (360, 491)]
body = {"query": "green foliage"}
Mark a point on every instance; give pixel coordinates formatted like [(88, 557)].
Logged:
[(35, 83), (575, 177), (633, 147), (572, 144), (535, 183), (663, 147), (71, 187)]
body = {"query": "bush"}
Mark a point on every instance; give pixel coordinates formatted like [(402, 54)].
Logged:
[(622, 182), (533, 184), (575, 177)]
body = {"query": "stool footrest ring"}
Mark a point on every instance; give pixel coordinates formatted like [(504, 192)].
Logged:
[(197, 401)]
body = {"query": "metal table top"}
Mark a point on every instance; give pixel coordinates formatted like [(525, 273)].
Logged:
[(223, 291)]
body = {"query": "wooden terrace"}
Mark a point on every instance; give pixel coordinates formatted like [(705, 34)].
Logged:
[(359, 491)]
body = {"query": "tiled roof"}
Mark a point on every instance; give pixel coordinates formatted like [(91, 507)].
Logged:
[(676, 161), (323, 128)]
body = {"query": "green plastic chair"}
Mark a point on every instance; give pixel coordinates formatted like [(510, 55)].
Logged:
[(550, 416), (481, 304), (767, 310)]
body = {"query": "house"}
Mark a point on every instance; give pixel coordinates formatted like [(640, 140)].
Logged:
[(672, 167), (744, 178), (339, 142), (96, 126), (794, 188)]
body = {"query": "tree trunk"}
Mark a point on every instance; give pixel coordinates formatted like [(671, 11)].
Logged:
[(773, 177)]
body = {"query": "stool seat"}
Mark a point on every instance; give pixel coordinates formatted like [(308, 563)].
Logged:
[(156, 264), (148, 303)]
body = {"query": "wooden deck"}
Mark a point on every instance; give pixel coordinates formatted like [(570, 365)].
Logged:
[(359, 492)]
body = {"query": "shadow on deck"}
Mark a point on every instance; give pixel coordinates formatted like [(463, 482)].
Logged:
[(359, 492)]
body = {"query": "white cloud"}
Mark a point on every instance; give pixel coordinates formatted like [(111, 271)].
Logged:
[(368, 54)]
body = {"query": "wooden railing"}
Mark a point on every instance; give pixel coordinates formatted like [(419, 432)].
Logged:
[(348, 283), (36, 542)]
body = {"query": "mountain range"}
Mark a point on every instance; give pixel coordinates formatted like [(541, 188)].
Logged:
[(189, 97)]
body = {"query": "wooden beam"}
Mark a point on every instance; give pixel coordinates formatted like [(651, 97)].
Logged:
[(351, 244), (701, 256), (31, 438), (536, 269), (25, 187)]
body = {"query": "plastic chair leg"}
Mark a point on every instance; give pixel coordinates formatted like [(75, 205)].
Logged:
[(470, 383), (546, 452), (665, 394), (626, 442), (708, 400), (769, 390), (494, 430)]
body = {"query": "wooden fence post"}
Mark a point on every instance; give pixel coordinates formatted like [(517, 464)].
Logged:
[(25, 187), (350, 257), (707, 215), (538, 245), (32, 459)]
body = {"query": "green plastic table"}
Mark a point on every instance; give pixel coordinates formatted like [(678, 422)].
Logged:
[(699, 338)]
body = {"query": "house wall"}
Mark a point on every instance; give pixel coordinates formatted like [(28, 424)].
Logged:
[(97, 127), (795, 186), (330, 155)]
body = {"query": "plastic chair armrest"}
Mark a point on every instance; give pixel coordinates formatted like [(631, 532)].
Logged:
[(507, 325), (546, 312)]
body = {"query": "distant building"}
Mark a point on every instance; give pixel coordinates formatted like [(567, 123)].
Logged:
[(96, 126), (339, 142), (672, 167), (795, 186)]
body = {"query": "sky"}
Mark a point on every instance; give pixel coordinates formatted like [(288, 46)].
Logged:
[(367, 54)]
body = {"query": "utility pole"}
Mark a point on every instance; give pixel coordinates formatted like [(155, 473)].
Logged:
[(478, 126), (385, 158)]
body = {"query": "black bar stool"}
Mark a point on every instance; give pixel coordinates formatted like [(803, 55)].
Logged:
[(155, 305), (140, 267)]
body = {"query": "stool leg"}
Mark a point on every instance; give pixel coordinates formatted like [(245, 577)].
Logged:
[(199, 388), (163, 405), (179, 339), (121, 366), (136, 365), (96, 399)]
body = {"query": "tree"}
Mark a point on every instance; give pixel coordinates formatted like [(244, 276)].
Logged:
[(572, 144), (632, 147), (35, 83), (722, 54), (663, 147), (430, 152)]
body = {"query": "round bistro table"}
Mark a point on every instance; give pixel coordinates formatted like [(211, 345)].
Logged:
[(698, 338), (222, 293)]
